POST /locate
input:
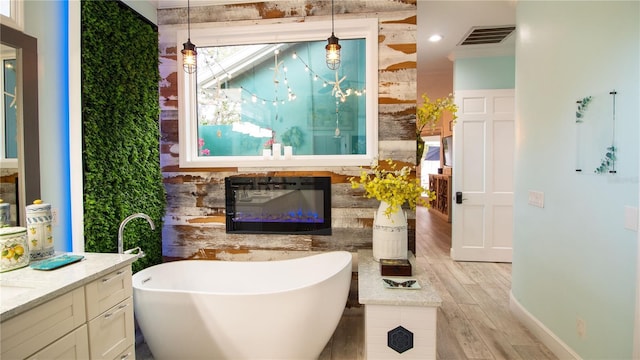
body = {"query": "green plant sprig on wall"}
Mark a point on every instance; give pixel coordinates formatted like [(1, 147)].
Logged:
[(608, 161), (582, 107)]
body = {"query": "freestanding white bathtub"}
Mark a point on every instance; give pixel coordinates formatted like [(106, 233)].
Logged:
[(204, 309)]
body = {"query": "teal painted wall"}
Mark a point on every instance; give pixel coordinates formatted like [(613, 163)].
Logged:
[(484, 73), (574, 258)]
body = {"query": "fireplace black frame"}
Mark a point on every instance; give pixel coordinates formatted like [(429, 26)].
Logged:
[(235, 185)]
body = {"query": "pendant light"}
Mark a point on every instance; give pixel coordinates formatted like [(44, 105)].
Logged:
[(333, 48), (189, 63)]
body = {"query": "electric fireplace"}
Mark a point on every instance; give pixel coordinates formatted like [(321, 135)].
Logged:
[(278, 205)]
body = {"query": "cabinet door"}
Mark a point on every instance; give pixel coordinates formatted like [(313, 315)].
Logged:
[(26, 333), (111, 333), (74, 345)]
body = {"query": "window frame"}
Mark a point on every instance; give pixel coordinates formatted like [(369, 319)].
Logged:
[(16, 15), (221, 34)]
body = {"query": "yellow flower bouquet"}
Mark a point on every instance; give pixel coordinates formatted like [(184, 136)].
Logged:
[(393, 186), (430, 112)]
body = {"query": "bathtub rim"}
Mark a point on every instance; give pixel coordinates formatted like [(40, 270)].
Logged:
[(138, 278)]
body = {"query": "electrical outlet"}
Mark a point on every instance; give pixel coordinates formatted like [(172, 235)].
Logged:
[(536, 198), (581, 328)]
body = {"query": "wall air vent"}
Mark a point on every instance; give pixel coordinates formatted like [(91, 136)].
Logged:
[(487, 35)]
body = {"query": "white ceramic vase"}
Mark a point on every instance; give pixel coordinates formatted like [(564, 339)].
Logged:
[(389, 234)]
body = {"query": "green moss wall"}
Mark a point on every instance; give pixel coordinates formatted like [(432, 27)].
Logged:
[(120, 114)]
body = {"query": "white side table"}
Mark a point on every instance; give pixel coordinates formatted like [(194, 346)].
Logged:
[(399, 323)]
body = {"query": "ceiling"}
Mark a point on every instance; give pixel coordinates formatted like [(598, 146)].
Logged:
[(453, 19)]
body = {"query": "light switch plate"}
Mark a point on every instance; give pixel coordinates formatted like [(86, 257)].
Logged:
[(536, 198), (631, 218)]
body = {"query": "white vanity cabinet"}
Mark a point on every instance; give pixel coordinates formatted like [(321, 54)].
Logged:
[(91, 318)]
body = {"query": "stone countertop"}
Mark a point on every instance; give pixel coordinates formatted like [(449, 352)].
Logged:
[(371, 289), (26, 288)]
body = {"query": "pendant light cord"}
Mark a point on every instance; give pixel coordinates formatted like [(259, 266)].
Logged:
[(188, 20), (332, 29)]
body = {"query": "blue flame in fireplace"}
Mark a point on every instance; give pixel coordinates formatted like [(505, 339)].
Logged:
[(293, 216)]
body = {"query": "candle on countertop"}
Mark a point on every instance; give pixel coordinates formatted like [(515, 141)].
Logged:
[(277, 151), (288, 152)]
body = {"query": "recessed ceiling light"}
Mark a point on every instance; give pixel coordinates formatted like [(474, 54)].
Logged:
[(435, 38)]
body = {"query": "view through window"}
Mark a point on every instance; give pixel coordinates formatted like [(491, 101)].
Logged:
[(251, 97)]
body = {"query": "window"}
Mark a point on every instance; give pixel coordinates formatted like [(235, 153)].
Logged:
[(262, 89)]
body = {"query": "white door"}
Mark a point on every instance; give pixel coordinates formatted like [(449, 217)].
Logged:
[(483, 166)]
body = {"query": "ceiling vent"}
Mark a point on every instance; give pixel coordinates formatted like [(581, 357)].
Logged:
[(487, 35)]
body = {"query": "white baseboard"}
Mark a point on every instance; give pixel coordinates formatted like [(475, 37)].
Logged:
[(548, 338)]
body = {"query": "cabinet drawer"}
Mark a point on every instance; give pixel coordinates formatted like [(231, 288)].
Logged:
[(112, 333), (31, 331), (74, 345), (129, 354), (108, 291)]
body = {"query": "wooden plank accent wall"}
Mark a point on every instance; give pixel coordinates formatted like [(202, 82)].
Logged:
[(194, 224)]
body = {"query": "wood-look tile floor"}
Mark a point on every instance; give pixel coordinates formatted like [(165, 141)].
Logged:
[(474, 321)]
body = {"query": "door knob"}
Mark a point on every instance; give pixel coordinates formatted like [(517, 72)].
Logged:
[(459, 197)]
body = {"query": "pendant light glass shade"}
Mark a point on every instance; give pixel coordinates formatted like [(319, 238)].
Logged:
[(189, 53), (189, 61), (332, 48), (333, 52)]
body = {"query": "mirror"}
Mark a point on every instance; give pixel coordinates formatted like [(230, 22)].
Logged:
[(27, 177)]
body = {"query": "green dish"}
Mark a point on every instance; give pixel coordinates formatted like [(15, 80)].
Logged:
[(56, 262)]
